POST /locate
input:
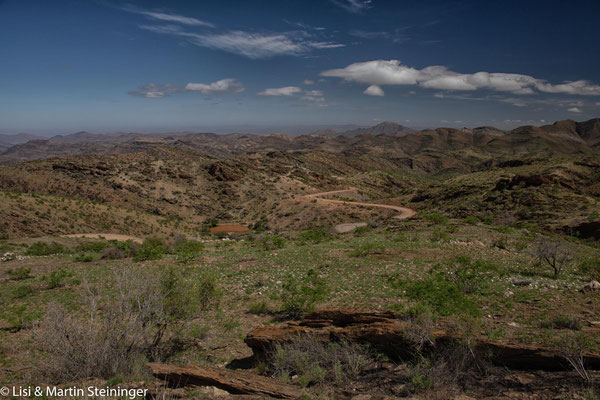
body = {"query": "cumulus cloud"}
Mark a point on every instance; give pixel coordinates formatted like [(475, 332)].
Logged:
[(316, 97), (574, 110), (222, 86), (158, 91), (282, 91), (251, 45), (392, 72), (155, 90), (374, 90), (353, 6)]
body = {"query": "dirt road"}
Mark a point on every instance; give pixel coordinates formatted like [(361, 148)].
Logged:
[(404, 212), (107, 236)]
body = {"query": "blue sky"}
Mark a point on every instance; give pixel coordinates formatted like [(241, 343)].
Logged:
[(107, 66)]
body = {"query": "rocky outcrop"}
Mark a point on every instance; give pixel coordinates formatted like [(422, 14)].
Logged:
[(387, 331), (235, 382)]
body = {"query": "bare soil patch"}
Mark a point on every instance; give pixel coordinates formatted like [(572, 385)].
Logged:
[(233, 228)]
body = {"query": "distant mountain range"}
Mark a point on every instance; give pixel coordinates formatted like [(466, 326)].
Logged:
[(562, 137)]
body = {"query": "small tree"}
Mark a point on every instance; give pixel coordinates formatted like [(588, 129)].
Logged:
[(554, 253)]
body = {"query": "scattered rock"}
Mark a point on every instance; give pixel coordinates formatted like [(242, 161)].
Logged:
[(521, 282), (591, 286)]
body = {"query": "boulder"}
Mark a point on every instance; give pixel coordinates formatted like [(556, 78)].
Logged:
[(386, 330), (235, 382)]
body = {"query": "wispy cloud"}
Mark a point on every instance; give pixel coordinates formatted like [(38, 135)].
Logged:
[(251, 45), (574, 110), (163, 16), (222, 86), (155, 90), (158, 91), (392, 72), (397, 36), (353, 6)]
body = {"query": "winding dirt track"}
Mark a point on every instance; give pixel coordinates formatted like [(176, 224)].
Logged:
[(404, 212)]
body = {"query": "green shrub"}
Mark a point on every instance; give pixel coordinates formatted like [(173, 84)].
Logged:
[(562, 322), (367, 249), (82, 257), (435, 218), (273, 242), (19, 273), (591, 268), (471, 277), (314, 361), (92, 247), (361, 230), (299, 296), (314, 235), (153, 248), (188, 251), (55, 278), (46, 249), (21, 291), (471, 220), (18, 318), (440, 294), (259, 307)]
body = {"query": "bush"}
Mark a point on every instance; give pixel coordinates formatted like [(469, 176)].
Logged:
[(469, 276), (188, 251), (299, 296), (45, 249), (119, 250), (471, 220), (562, 322), (137, 317), (314, 235), (19, 273), (436, 218), (153, 248), (591, 268), (21, 291), (366, 249), (554, 254), (439, 293), (273, 242), (82, 257), (259, 307), (18, 318), (314, 361), (92, 247), (55, 278)]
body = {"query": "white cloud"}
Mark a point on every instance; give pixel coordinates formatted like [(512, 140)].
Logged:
[(251, 45), (283, 91), (574, 110), (163, 16), (353, 6), (374, 90), (392, 72), (308, 82), (155, 90), (175, 18), (313, 92), (222, 86)]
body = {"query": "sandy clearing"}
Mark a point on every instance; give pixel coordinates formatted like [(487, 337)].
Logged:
[(234, 228), (107, 236), (349, 227), (404, 212)]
